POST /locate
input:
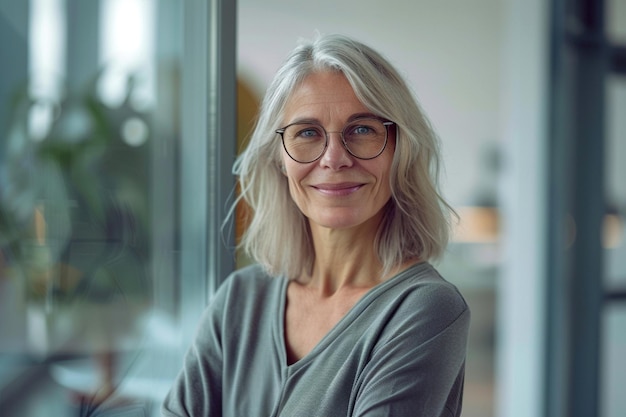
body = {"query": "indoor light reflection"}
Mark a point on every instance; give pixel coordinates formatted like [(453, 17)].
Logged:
[(127, 49), (46, 62)]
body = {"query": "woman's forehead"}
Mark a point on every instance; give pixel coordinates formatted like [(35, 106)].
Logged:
[(322, 95)]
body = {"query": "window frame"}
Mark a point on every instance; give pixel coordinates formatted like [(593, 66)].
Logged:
[(208, 147)]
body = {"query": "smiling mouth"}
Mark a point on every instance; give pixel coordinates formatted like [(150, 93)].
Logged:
[(338, 189)]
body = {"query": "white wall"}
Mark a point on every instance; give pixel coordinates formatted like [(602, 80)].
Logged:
[(450, 51), (523, 191)]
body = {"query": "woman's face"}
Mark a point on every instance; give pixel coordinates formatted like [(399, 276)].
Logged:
[(337, 191)]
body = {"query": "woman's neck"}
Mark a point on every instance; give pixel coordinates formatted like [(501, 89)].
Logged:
[(344, 258)]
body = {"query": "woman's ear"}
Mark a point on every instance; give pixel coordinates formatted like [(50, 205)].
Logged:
[(282, 168)]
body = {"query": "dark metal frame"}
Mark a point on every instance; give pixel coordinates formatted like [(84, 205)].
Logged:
[(385, 123), (580, 60), (208, 150)]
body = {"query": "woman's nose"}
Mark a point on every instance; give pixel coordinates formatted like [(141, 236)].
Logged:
[(336, 156)]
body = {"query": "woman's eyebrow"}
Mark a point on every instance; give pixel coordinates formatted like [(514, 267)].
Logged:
[(306, 120), (352, 118), (362, 116)]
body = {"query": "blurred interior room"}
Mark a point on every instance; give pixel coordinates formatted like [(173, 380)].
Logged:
[(119, 123)]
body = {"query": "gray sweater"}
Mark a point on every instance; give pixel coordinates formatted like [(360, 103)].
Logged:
[(400, 351)]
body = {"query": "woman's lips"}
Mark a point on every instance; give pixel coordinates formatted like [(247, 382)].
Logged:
[(339, 189)]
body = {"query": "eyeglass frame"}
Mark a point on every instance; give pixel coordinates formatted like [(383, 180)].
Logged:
[(385, 123)]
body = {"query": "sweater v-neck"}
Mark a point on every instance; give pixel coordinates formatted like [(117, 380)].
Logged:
[(343, 323)]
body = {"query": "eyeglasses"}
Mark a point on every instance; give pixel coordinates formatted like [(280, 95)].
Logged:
[(363, 138)]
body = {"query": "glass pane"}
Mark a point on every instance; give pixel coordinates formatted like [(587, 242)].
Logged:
[(88, 202), (613, 362), (614, 238), (616, 21)]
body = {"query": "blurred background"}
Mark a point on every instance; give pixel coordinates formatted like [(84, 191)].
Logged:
[(119, 123)]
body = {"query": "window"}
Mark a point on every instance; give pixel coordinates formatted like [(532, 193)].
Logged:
[(113, 188)]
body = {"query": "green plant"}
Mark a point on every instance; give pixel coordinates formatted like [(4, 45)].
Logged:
[(74, 212)]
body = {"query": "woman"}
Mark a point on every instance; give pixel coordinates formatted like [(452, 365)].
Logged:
[(343, 315)]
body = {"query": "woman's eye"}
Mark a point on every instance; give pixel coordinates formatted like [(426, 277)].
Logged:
[(360, 130), (308, 134)]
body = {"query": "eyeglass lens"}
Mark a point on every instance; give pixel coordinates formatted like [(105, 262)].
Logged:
[(364, 138)]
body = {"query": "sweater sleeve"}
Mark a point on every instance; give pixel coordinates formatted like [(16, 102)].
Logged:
[(418, 368), (197, 391)]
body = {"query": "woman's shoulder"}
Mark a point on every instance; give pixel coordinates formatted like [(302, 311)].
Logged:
[(243, 292), (420, 304), (250, 277), (248, 284), (424, 275), (255, 271), (422, 289)]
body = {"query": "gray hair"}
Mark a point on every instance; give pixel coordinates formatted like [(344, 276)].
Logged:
[(416, 220)]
